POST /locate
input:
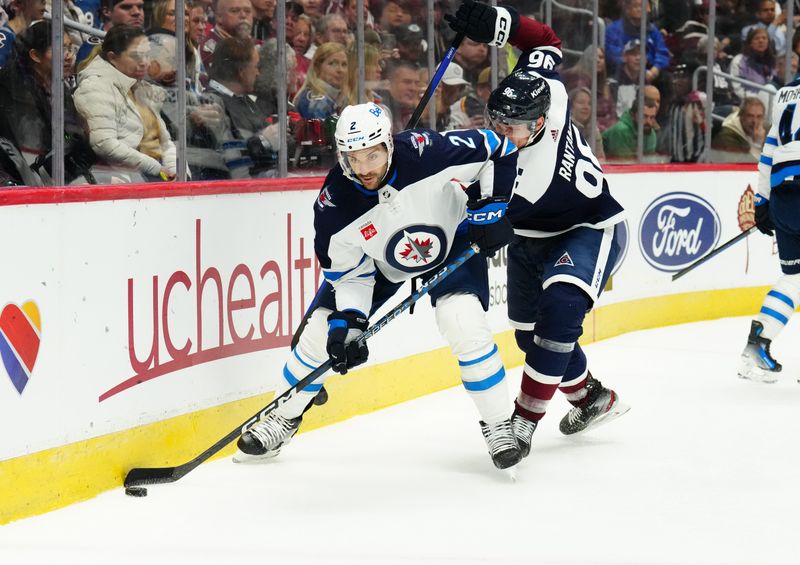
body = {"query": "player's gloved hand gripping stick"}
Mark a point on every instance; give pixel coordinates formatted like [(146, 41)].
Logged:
[(156, 475)]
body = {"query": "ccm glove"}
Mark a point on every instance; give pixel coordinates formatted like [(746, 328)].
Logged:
[(763, 221), (343, 349), (483, 23), (489, 226)]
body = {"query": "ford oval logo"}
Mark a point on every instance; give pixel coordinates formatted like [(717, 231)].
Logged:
[(677, 229)]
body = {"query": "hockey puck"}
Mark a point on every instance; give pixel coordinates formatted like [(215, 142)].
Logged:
[(136, 491)]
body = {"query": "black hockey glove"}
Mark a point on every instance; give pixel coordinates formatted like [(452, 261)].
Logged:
[(763, 221), (483, 23), (343, 349), (488, 225)]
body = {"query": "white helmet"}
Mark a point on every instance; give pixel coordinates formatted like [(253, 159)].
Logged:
[(359, 127)]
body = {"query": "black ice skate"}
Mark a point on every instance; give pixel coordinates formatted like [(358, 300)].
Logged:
[(757, 363), (266, 437), (600, 406), (502, 444), (523, 430)]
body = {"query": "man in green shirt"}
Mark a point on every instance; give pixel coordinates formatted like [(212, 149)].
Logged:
[(619, 141)]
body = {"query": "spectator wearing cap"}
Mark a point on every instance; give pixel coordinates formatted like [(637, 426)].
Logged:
[(468, 112), (449, 90), (21, 13), (472, 57), (112, 13), (232, 18), (411, 45), (766, 19), (626, 80), (621, 31)]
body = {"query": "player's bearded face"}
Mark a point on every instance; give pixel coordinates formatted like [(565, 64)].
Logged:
[(369, 165)]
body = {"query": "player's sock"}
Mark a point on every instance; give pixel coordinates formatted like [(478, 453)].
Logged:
[(483, 377)]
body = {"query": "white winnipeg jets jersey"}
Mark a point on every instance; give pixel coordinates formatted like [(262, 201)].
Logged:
[(780, 157), (561, 182), (406, 227)]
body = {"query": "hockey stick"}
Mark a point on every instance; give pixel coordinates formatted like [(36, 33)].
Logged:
[(412, 123), (157, 475), (714, 253)]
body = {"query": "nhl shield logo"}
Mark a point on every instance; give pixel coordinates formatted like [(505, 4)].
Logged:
[(564, 261)]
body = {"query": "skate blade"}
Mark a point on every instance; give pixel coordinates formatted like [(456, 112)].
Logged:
[(247, 459), (756, 377), (511, 472), (617, 410)]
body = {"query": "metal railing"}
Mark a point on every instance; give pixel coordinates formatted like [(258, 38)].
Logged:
[(769, 89)]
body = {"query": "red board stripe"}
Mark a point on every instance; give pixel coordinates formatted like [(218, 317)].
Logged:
[(20, 334)]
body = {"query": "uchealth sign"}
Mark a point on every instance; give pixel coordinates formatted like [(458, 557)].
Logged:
[(121, 307)]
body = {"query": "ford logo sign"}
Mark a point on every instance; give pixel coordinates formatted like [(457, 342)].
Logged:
[(677, 229)]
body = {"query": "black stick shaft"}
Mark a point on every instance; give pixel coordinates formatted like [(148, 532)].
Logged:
[(156, 475), (712, 254)]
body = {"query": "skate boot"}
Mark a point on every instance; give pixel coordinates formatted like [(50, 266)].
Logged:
[(757, 364), (523, 430), (601, 405), (502, 444), (266, 437)]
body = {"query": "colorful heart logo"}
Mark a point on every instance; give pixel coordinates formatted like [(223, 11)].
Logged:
[(20, 330)]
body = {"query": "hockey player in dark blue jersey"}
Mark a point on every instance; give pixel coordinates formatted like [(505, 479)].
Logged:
[(564, 219), (395, 208)]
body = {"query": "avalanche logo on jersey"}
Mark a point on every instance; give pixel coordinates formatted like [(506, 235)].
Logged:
[(416, 248), (564, 261), (324, 199)]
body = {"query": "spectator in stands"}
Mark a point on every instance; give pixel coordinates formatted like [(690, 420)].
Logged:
[(765, 16), (620, 140), (21, 13), (581, 75), (351, 15), (112, 13), (780, 68), (402, 94), (742, 135), (756, 63), (410, 45), (581, 110), (263, 15), (233, 18), (303, 33), (121, 110), (472, 56), (321, 95), (469, 111), (331, 28), (626, 80), (442, 33), (687, 128), (447, 93), (314, 9), (724, 94), (372, 74), (731, 17), (198, 20), (395, 13), (266, 88), (620, 32), (25, 101), (243, 143)]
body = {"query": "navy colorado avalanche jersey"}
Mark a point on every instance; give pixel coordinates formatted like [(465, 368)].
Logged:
[(406, 227), (561, 183)]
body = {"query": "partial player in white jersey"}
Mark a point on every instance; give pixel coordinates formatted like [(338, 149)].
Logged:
[(394, 208), (564, 218), (778, 212)]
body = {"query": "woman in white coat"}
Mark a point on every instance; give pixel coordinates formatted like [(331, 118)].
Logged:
[(121, 110)]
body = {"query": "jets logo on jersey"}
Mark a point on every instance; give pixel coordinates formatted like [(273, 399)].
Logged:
[(416, 248), (368, 231), (564, 261), (324, 199)]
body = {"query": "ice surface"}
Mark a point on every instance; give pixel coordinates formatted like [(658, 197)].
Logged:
[(703, 469)]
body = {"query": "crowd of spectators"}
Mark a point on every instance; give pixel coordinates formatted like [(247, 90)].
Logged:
[(121, 91)]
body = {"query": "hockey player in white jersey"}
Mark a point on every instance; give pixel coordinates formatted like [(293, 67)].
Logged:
[(564, 218), (777, 211), (392, 209)]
